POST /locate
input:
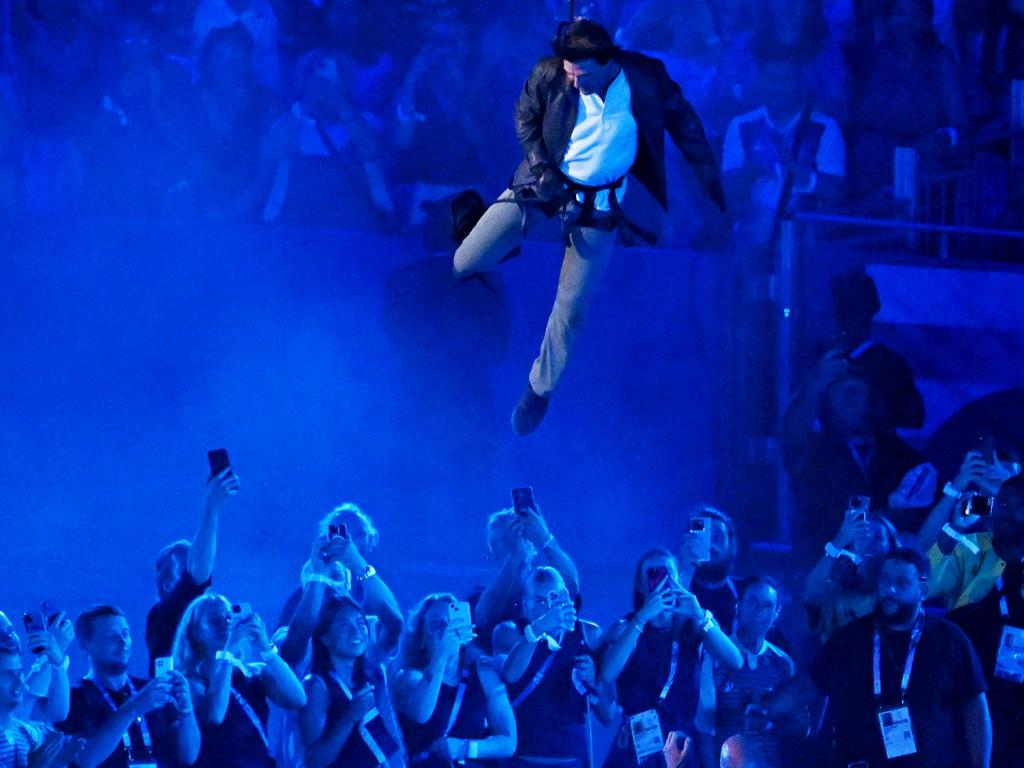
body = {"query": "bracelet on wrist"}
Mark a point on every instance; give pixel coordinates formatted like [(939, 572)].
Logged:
[(472, 749), (637, 625), (530, 634), (952, 492), (270, 653), (368, 573), (709, 621)]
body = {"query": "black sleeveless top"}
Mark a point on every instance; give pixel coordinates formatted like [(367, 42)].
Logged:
[(237, 742), (470, 721), (550, 712), (645, 675), (357, 752)]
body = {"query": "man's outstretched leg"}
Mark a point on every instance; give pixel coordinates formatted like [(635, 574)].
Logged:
[(497, 233), (586, 258)]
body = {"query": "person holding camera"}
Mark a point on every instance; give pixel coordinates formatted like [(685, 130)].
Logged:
[(127, 720), (652, 656), (547, 660), (26, 742), (47, 689), (233, 671), (184, 569), (452, 704), (516, 538), (735, 701), (706, 568), (347, 721)]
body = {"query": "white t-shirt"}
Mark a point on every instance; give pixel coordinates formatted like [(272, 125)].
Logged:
[(603, 144)]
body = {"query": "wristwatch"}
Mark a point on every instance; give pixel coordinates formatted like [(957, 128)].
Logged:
[(368, 573)]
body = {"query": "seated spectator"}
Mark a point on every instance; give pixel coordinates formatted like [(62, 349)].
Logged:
[(225, 177), (184, 569), (855, 302), (994, 619), (843, 586), (327, 154), (126, 720), (47, 690), (912, 96), (258, 18), (451, 702), (782, 155), (220, 655), (925, 679), (26, 742), (711, 581), (515, 540), (734, 701), (840, 454), (547, 661), (347, 720), (652, 657)]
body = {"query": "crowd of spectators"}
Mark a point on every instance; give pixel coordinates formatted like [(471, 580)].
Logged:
[(913, 648), (351, 113)]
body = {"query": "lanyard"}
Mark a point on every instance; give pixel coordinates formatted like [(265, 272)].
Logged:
[(368, 739), (460, 694), (147, 741), (915, 637), (537, 679), (251, 714), (673, 666)]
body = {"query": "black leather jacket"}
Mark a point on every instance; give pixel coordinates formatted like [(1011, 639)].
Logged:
[(546, 114)]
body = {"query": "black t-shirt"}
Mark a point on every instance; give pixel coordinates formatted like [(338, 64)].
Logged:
[(162, 620), (946, 673), (90, 709)]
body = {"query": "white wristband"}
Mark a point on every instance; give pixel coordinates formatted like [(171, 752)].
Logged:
[(949, 490), (269, 654), (529, 635), (472, 749), (958, 537)]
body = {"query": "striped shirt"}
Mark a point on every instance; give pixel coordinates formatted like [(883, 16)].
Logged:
[(19, 739)]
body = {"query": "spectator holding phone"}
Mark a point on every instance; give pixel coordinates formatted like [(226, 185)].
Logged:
[(347, 721), (735, 701), (233, 670), (994, 619), (25, 742), (47, 689), (338, 564), (547, 660), (652, 656), (515, 539), (452, 704), (706, 560), (843, 585), (184, 569), (126, 720)]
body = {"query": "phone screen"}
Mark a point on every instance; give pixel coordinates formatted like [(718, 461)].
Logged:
[(219, 461), (522, 499)]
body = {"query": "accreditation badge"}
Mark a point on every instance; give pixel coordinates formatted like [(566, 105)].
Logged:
[(1010, 660), (897, 732), (645, 728)]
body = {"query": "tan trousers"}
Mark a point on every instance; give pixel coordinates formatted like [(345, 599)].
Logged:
[(586, 257)]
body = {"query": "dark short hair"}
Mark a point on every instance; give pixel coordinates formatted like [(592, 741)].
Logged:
[(911, 556), (84, 623), (746, 584), (583, 39)]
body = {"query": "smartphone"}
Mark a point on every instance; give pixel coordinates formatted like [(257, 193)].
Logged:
[(859, 507), (700, 533), (337, 531), (163, 665), (459, 616), (979, 504), (241, 611), (655, 576), (219, 461), (50, 611), (522, 499), (34, 623)]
